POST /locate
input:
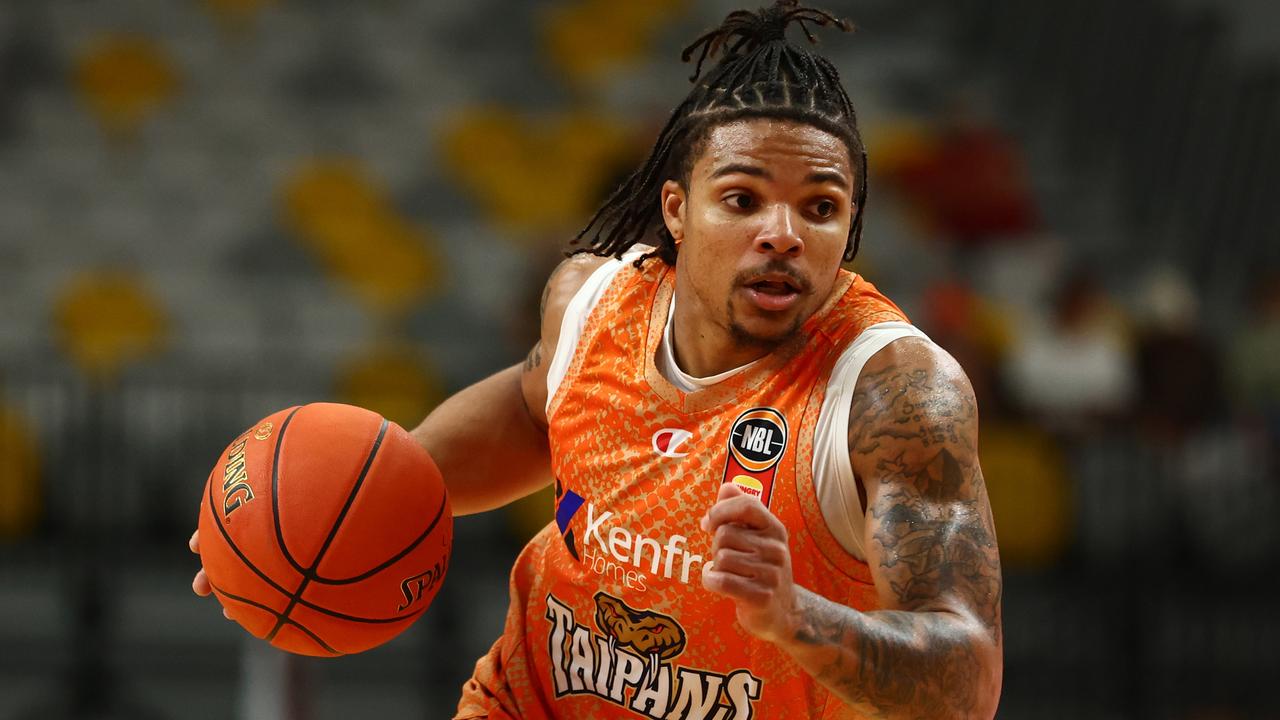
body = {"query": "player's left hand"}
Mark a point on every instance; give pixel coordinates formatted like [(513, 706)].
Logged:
[(751, 563)]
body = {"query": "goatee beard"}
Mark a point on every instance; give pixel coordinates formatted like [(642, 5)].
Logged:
[(745, 338)]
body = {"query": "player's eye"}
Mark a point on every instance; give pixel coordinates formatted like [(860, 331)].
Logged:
[(824, 209), (741, 201)]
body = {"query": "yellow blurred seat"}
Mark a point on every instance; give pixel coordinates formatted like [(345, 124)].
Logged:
[(391, 379), (534, 176), (123, 79), (20, 492), (236, 14), (588, 40), (363, 242), (1030, 500), (108, 319)]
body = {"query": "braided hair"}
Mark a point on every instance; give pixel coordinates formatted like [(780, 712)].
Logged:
[(759, 74)]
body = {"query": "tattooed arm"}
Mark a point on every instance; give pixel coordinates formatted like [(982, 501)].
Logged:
[(934, 651)]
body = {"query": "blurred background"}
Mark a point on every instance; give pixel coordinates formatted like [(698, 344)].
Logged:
[(212, 209)]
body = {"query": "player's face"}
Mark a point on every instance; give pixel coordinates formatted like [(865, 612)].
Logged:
[(763, 226)]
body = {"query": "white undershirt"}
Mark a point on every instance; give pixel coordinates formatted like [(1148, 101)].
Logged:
[(670, 369)]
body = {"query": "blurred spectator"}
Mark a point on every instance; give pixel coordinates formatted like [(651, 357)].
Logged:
[(972, 330), (1255, 355), (1023, 466), (968, 182), (1078, 368), (1179, 373)]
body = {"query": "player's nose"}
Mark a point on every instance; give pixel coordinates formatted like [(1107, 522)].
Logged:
[(778, 235)]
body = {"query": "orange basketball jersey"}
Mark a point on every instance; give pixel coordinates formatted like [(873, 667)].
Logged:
[(608, 616)]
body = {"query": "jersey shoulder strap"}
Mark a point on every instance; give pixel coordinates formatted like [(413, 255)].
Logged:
[(833, 479), (576, 314)]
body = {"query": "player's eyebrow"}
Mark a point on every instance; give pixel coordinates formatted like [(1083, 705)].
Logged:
[(828, 176), (731, 168), (816, 177)]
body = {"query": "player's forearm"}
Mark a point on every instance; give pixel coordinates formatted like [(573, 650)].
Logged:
[(488, 448), (897, 664)]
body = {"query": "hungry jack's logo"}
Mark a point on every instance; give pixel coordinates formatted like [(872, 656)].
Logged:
[(629, 663), (756, 444)]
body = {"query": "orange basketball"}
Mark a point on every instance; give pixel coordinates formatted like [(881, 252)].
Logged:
[(325, 529)]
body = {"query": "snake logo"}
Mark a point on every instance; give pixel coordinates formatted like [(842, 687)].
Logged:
[(651, 634)]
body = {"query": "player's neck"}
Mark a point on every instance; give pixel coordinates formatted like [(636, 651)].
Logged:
[(703, 347)]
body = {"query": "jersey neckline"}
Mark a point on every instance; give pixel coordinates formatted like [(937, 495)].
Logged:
[(745, 379)]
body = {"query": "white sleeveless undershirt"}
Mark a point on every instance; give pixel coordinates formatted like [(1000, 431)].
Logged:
[(832, 473), (670, 369)]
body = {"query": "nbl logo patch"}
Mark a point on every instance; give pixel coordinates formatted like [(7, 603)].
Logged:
[(756, 444)]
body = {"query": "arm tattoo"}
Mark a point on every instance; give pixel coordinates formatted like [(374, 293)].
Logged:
[(934, 652), (534, 358), (893, 663), (932, 544), (546, 293), (931, 524)]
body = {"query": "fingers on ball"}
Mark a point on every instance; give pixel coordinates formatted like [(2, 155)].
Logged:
[(200, 584)]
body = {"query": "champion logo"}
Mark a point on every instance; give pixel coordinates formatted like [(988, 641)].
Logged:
[(668, 441)]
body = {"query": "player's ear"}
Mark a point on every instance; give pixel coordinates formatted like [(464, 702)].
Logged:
[(673, 208)]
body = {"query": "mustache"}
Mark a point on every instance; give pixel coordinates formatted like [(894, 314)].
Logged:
[(780, 267)]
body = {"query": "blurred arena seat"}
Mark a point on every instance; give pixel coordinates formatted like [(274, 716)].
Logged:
[(21, 493), (339, 213), (393, 379), (107, 320), (535, 175), (588, 40), (1030, 494), (124, 79), (236, 14)]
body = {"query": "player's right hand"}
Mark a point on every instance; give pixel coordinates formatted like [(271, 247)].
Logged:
[(200, 583)]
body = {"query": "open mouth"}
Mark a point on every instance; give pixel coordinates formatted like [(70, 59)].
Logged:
[(773, 292), (774, 287)]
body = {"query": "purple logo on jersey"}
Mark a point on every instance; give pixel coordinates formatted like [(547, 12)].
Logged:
[(568, 503)]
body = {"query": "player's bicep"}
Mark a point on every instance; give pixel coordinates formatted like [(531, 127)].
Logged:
[(929, 536), (564, 282)]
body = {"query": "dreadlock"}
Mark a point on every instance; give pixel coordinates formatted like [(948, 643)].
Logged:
[(759, 74)]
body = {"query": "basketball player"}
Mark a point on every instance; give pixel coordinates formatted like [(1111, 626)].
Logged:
[(768, 498)]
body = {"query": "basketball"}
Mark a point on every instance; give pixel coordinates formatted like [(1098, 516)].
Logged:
[(325, 529)]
